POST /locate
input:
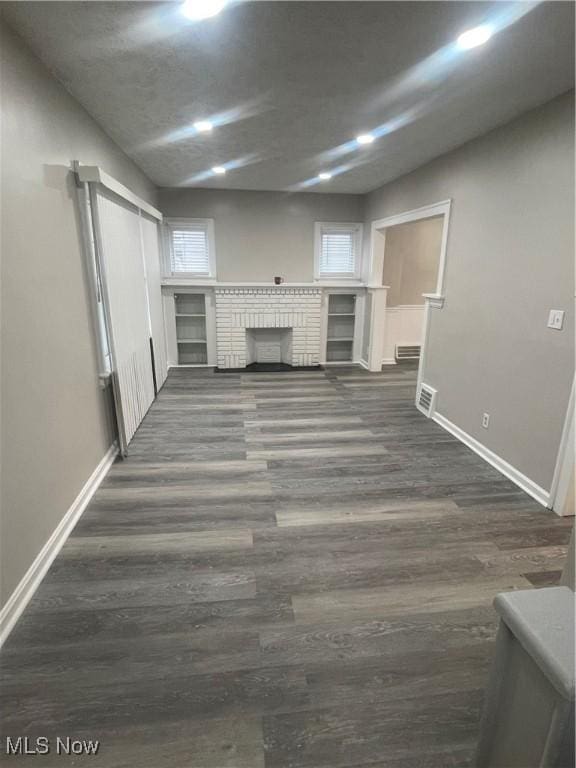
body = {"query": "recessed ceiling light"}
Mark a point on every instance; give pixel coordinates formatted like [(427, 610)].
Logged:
[(201, 9), (324, 176), (365, 138), (203, 126), (219, 170), (472, 38)]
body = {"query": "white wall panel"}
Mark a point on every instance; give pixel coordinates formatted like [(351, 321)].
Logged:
[(121, 248), (151, 250), (404, 325)]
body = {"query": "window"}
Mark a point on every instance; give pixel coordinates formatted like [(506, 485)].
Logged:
[(190, 247), (338, 248)]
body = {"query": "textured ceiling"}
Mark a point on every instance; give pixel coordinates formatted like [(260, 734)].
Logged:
[(290, 83)]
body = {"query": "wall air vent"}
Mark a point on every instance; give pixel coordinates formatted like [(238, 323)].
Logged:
[(406, 352), (426, 401)]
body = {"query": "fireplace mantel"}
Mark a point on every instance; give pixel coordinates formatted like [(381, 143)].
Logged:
[(177, 282)]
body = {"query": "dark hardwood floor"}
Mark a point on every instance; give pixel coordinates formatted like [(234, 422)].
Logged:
[(291, 570)]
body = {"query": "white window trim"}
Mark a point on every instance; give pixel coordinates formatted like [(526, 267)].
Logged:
[(171, 224), (355, 226)]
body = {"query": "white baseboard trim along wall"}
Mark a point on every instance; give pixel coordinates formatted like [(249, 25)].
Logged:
[(496, 461), (25, 590)]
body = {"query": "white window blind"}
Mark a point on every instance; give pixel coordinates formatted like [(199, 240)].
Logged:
[(190, 249), (338, 250)]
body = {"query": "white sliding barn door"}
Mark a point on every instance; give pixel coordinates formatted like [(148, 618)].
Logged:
[(151, 250), (128, 314)]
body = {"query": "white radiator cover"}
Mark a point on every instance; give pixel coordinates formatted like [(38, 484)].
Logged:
[(239, 309)]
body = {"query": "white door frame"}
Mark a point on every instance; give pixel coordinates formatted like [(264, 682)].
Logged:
[(377, 249), (564, 471)]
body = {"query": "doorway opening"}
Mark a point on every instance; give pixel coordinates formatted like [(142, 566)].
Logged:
[(410, 270), (408, 260)]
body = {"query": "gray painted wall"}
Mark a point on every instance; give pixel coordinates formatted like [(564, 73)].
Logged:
[(411, 258), (262, 234), (55, 420), (510, 260)]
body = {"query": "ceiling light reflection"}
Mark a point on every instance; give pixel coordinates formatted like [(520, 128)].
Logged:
[(196, 10), (210, 173), (436, 68), (203, 126), (472, 38), (248, 109), (324, 176), (394, 124)]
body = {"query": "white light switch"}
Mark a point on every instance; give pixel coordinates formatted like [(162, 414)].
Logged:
[(556, 319)]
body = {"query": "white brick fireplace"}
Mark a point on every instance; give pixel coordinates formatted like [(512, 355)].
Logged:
[(239, 310)]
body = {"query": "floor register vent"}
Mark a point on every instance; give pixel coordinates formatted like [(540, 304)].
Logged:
[(406, 352), (426, 400)]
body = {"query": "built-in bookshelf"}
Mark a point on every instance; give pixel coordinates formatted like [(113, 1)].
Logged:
[(190, 310), (341, 321)]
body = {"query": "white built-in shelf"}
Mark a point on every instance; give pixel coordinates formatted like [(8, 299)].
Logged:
[(191, 319), (341, 322)]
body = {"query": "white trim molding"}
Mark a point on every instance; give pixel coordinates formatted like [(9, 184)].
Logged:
[(32, 579), (424, 212), (378, 238), (564, 470), (506, 469), (434, 300)]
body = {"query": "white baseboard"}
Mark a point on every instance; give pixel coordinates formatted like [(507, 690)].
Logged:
[(496, 461), (389, 361), (25, 590), (364, 364)]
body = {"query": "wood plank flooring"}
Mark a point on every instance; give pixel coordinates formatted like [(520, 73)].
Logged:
[(290, 570)]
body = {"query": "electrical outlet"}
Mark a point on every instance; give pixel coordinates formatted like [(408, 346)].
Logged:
[(485, 420), (556, 319)]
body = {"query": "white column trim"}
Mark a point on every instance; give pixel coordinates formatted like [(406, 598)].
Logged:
[(377, 327)]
